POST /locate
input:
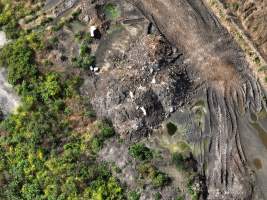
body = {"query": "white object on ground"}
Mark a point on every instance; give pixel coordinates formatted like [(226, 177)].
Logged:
[(153, 80), (131, 94), (92, 31), (144, 111), (96, 69)]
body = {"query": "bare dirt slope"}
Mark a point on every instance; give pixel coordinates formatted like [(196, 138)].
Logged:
[(231, 88), (193, 59)]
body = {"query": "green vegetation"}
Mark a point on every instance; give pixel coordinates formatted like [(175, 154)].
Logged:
[(193, 189), (180, 198), (149, 172), (183, 162), (84, 60), (19, 58), (134, 195), (42, 155), (171, 128), (158, 196), (234, 6), (105, 132), (179, 161), (111, 11), (140, 152)]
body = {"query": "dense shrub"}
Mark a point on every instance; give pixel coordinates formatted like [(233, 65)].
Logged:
[(19, 58), (140, 152), (41, 157), (50, 88), (149, 172), (171, 128)]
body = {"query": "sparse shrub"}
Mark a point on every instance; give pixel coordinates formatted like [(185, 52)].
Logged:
[(80, 35), (180, 198), (147, 171), (179, 161), (96, 144), (111, 11), (160, 179), (106, 130), (158, 196), (193, 189), (48, 63)]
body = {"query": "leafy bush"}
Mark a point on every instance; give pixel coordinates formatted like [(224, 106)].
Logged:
[(50, 88), (134, 195), (157, 178), (105, 132), (140, 152), (19, 58), (160, 179), (84, 62)]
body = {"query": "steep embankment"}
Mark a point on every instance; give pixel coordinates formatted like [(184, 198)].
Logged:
[(231, 89)]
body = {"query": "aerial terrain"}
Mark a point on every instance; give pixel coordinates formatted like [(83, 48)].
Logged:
[(133, 99)]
